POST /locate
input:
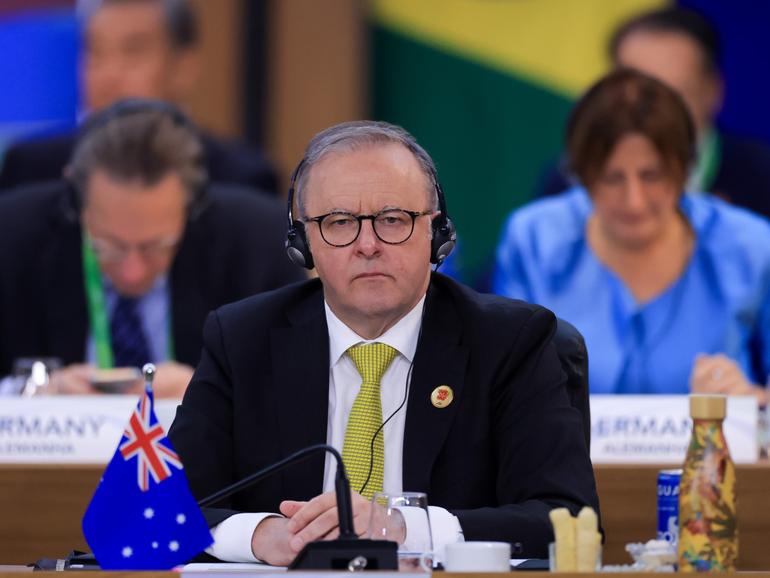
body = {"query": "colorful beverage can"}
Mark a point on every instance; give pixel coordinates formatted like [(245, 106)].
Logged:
[(668, 505)]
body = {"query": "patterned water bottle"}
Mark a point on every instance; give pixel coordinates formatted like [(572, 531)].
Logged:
[(708, 532)]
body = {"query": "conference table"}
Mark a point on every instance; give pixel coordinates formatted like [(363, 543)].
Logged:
[(41, 507), (14, 573)]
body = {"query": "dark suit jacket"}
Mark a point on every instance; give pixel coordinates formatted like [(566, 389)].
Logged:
[(40, 160), (232, 248), (573, 355), (507, 450), (743, 175)]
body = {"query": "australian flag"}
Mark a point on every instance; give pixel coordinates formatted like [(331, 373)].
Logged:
[(142, 515)]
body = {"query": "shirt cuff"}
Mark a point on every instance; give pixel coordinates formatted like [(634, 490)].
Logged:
[(444, 528), (232, 537), (11, 385)]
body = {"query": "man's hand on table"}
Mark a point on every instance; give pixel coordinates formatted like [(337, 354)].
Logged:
[(74, 379), (171, 380), (278, 540), (720, 374)]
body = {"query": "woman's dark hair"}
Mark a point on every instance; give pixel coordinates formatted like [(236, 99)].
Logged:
[(629, 102)]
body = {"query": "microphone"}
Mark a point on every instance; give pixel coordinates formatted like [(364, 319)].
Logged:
[(348, 552)]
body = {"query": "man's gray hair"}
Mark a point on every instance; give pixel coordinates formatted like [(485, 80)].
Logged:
[(142, 146), (353, 136)]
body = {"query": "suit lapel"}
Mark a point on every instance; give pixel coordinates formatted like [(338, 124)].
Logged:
[(439, 360), (300, 358), (67, 314), (189, 281)]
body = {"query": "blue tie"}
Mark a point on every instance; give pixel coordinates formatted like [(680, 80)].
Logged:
[(129, 346)]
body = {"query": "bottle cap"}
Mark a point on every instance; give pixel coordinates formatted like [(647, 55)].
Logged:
[(708, 406)]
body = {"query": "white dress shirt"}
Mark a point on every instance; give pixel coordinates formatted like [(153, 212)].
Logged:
[(232, 537)]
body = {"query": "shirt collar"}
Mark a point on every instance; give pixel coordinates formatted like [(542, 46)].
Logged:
[(402, 336)]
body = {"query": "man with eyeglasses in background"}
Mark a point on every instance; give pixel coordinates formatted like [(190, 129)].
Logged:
[(119, 264)]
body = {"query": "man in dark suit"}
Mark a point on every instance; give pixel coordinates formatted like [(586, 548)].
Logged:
[(469, 387), (681, 48), (146, 49), (120, 264)]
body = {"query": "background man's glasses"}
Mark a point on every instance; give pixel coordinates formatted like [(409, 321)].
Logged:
[(108, 251), (392, 226)]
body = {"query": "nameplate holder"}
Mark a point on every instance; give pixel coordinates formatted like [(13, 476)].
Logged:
[(655, 429), (67, 430)]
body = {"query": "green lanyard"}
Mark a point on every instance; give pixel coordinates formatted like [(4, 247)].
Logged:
[(709, 159), (97, 310)]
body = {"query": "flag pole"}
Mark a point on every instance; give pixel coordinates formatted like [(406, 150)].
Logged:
[(148, 372)]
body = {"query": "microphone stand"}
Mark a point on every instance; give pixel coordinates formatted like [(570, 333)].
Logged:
[(348, 552)]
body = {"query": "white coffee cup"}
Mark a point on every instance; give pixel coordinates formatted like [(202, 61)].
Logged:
[(477, 557)]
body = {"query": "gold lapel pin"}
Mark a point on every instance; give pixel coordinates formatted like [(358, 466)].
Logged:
[(442, 396)]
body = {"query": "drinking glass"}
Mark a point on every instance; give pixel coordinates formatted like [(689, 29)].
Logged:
[(391, 514), (32, 374)]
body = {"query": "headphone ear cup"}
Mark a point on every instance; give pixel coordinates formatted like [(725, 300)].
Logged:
[(297, 248), (444, 239)]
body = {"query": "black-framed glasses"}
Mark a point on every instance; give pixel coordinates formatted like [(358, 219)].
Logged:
[(392, 226)]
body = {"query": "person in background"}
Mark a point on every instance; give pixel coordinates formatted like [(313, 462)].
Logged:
[(681, 48), (671, 291), (479, 414), (144, 49), (119, 264)]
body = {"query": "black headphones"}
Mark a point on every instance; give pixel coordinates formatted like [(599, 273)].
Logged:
[(134, 106), (298, 249)]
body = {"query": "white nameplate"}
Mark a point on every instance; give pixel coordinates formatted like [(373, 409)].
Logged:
[(71, 429), (655, 429)]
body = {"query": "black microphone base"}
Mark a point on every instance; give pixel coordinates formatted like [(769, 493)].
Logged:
[(347, 555)]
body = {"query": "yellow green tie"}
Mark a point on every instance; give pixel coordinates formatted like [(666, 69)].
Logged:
[(365, 418)]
